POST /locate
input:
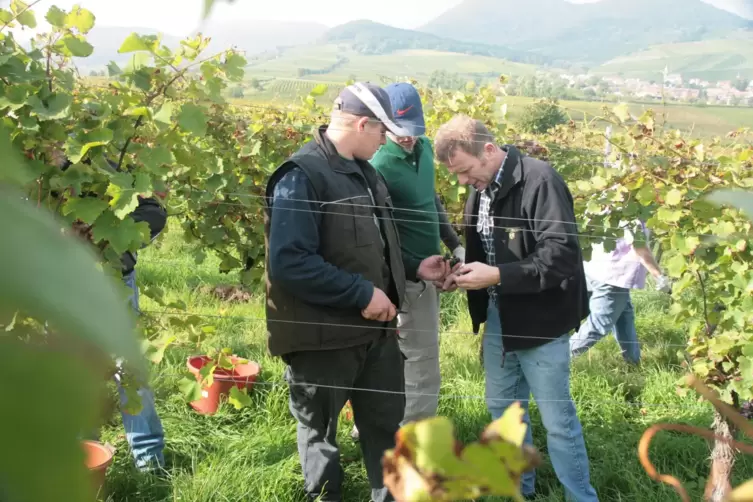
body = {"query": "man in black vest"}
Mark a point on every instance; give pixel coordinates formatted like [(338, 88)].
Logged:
[(335, 282), (525, 281)]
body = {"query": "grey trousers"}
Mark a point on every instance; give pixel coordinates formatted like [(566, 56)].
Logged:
[(419, 343), (377, 366)]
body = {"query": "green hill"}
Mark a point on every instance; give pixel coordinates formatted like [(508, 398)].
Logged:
[(337, 63), (585, 33), (711, 60)]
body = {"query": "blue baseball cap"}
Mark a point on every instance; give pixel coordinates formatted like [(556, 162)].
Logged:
[(407, 109)]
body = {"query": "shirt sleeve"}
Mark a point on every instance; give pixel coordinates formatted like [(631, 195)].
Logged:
[(295, 264), (446, 232)]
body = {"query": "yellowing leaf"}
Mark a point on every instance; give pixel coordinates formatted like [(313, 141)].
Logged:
[(742, 493), (673, 197), (598, 183), (622, 111)]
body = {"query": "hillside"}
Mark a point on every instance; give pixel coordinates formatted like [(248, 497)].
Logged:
[(370, 38), (339, 62), (709, 60), (585, 33)]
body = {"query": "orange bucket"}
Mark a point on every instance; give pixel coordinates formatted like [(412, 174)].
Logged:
[(98, 460), (242, 376)]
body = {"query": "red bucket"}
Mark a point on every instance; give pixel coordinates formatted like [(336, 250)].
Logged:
[(242, 376)]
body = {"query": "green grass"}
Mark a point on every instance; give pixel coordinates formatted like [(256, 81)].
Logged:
[(709, 59), (251, 454), (702, 121)]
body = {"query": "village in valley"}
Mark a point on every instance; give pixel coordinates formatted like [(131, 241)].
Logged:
[(674, 87)]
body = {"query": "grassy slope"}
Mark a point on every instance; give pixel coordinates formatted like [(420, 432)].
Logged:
[(251, 454), (702, 120), (416, 63), (712, 59)]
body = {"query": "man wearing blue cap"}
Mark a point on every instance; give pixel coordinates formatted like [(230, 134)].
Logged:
[(335, 281), (407, 164)]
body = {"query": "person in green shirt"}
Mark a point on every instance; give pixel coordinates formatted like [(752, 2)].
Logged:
[(407, 166)]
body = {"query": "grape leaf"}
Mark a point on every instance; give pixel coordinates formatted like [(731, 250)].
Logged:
[(123, 196), (673, 197), (428, 463), (165, 113), (234, 65), (319, 90), (24, 15), (78, 47), (133, 43), (239, 398), (741, 493), (57, 106), (81, 19), (192, 119), (190, 388), (56, 17), (122, 235), (86, 209), (61, 381), (54, 277)]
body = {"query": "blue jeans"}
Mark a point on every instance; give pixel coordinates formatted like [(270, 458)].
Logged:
[(143, 431), (611, 310), (543, 371)]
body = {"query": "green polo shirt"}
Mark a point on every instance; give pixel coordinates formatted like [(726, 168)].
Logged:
[(410, 182)]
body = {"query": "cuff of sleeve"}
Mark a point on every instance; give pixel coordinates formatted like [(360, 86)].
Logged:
[(411, 269), (509, 275), (365, 292)]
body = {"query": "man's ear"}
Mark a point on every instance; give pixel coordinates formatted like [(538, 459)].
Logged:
[(361, 124)]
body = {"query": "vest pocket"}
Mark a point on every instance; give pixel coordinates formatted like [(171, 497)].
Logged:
[(365, 225)]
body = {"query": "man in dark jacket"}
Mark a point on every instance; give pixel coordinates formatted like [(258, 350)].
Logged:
[(525, 281), (335, 281)]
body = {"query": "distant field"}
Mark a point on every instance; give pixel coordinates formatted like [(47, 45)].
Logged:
[(712, 60), (418, 64), (703, 121)]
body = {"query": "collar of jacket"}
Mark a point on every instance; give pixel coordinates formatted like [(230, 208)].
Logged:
[(513, 173), (336, 161), (511, 176)]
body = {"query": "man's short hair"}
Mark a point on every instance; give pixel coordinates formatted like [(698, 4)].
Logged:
[(464, 133)]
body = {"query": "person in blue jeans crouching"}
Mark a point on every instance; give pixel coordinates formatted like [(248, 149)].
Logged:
[(144, 432), (525, 281)]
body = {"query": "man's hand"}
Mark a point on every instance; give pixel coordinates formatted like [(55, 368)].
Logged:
[(477, 275), (380, 308), (663, 284), (448, 284), (433, 268)]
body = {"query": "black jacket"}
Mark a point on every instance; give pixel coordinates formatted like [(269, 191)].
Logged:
[(542, 292), (342, 248)]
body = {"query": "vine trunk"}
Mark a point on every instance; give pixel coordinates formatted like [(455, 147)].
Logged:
[(722, 461)]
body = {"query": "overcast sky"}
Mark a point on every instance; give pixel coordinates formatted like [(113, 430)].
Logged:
[(181, 17)]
